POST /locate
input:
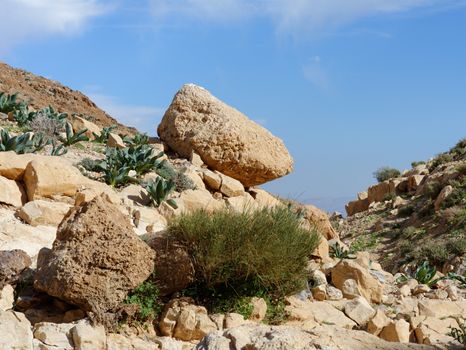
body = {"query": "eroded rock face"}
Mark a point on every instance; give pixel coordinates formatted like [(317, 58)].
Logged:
[(96, 258), (224, 138), (12, 263), (173, 266)]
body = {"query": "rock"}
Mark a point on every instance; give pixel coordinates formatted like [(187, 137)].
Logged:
[(452, 292), (199, 199), (136, 194), (115, 141), (396, 331), (40, 212), (405, 291), (333, 293), (441, 308), (357, 206), (263, 337), (350, 289), (7, 297), (196, 178), (12, 165), (444, 193), (173, 265), (79, 124), (213, 180), (185, 321), (12, 192), (319, 293), (15, 331), (319, 311), (225, 139), (233, 320), (149, 218), (12, 263), (421, 288), (196, 160), (431, 330), (89, 265), (259, 309), (318, 278), (242, 203), (378, 192), (263, 198), (47, 178), (319, 219), (414, 181), (362, 195), (322, 250), (120, 342), (94, 189), (398, 202), (378, 322), (87, 337), (53, 334), (231, 187), (368, 286), (359, 310)]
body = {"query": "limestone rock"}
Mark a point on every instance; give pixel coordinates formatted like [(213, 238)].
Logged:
[(53, 334), (12, 165), (173, 265), (136, 194), (213, 180), (115, 141), (263, 198), (46, 178), (378, 322), (319, 219), (357, 206), (242, 203), (414, 181), (87, 337), (40, 212), (368, 286), (444, 193), (263, 337), (7, 297), (12, 192), (89, 265), (396, 331), (120, 342), (79, 124), (359, 310), (199, 199), (12, 263), (231, 187), (378, 192), (225, 139), (15, 331), (183, 320), (259, 309), (233, 319)]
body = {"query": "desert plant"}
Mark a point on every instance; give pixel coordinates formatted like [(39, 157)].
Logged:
[(20, 144), (71, 137), (58, 149), (49, 127), (415, 164), (459, 148), (146, 298), (259, 250), (8, 103), (136, 140), (159, 190), (440, 159), (140, 158), (90, 164), (104, 134), (337, 251), (459, 333), (386, 173), (182, 182), (23, 116)]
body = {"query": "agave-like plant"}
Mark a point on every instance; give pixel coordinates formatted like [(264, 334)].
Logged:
[(71, 137), (20, 144), (159, 190), (23, 116), (136, 140), (8, 103), (58, 150), (337, 251), (104, 134)]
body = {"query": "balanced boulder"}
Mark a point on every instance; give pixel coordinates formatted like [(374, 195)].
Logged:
[(96, 258), (224, 138)]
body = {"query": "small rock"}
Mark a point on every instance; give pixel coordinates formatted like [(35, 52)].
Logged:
[(233, 320), (40, 212), (396, 331), (421, 288), (333, 293), (359, 310), (13, 262), (12, 192), (115, 141), (452, 292), (259, 309), (7, 297), (196, 159), (378, 322), (231, 187), (405, 290), (319, 293), (87, 337)]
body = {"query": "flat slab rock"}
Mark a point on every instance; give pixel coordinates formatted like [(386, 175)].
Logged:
[(261, 337)]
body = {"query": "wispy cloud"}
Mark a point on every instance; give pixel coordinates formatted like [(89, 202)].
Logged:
[(144, 118), (314, 73), (295, 17), (29, 19)]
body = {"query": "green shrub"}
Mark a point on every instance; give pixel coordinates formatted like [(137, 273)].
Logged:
[(262, 250), (338, 252), (440, 159), (456, 246), (90, 164), (460, 147), (182, 182), (461, 169), (406, 210), (459, 333), (415, 164), (136, 140), (8, 103), (386, 173), (159, 190), (432, 189), (104, 134), (21, 144), (456, 197), (411, 232), (146, 298), (434, 252), (71, 137)]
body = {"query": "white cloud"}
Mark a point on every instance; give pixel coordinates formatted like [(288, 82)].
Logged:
[(30, 19), (143, 118), (314, 73), (292, 16)]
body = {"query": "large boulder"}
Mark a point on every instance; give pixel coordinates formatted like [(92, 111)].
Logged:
[(96, 258), (174, 269), (225, 139)]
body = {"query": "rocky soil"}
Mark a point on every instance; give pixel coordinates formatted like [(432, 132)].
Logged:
[(73, 247)]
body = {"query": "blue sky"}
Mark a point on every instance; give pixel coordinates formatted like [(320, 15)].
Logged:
[(349, 85)]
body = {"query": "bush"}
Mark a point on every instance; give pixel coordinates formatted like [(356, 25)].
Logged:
[(386, 173), (432, 189), (265, 250), (460, 147), (406, 211), (49, 127), (435, 252), (182, 182), (415, 164), (440, 159), (146, 298)]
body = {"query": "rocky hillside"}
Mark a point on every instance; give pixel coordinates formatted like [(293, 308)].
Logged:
[(416, 216), (40, 92), (118, 241)]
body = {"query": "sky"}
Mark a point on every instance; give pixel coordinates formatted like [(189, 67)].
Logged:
[(349, 85)]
